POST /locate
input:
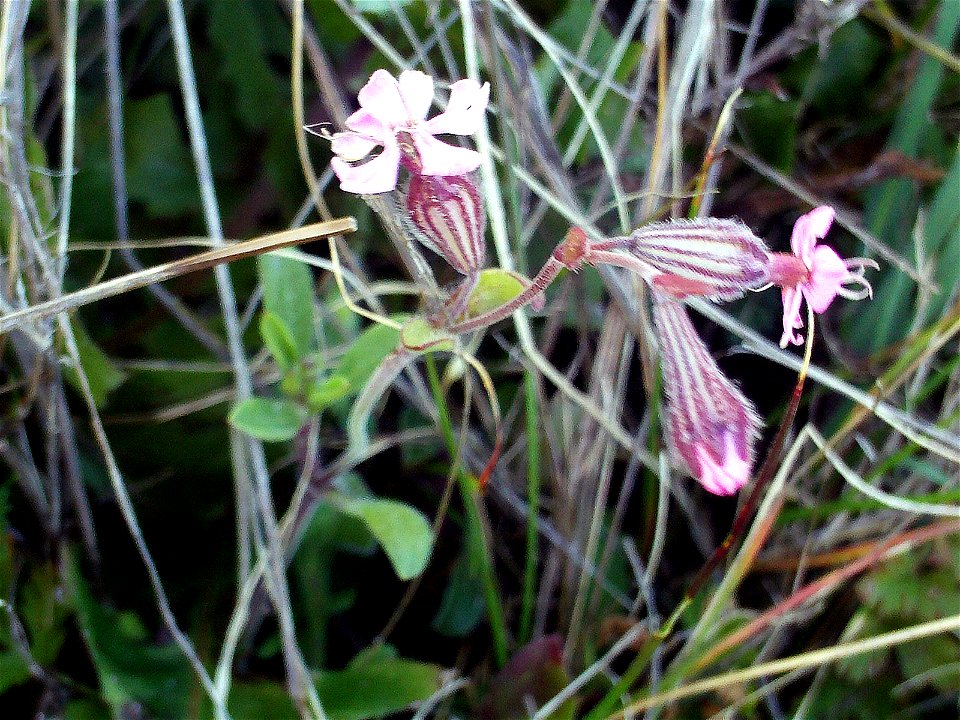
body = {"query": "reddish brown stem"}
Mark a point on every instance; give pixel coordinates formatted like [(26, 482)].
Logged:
[(742, 520), (829, 580)]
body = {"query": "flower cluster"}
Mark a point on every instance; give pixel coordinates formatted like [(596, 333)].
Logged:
[(711, 426), (442, 200)]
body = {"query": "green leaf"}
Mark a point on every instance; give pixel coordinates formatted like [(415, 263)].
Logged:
[(13, 669), (328, 391), (278, 340), (890, 207), (840, 78), (273, 420), (160, 173), (934, 659), (366, 353), (236, 30), (374, 684), (102, 374), (288, 294), (259, 700), (44, 613), (86, 710), (769, 128), (402, 531), (462, 607), (942, 238), (129, 668)]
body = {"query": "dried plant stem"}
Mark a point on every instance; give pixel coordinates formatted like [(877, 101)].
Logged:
[(299, 679), (761, 527), (175, 268), (533, 419), (171, 302), (69, 130), (130, 518)]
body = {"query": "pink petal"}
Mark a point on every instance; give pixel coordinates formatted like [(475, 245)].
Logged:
[(363, 122), (381, 97), (792, 300), (827, 274), (376, 176), (416, 89), (352, 146), (808, 229), (464, 113), (439, 158), (726, 478)]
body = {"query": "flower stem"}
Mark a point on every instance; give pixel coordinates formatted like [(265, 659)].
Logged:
[(533, 504), (548, 273), (476, 527)]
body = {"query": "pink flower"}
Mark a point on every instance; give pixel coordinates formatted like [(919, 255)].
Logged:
[(814, 272), (392, 115)]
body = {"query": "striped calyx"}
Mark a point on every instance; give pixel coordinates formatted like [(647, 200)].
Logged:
[(713, 258), (448, 213), (711, 426)]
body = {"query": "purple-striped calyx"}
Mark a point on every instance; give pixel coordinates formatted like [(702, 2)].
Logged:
[(715, 258), (711, 427), (447, 211)]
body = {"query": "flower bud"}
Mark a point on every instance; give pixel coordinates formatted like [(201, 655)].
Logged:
[(447, 211), (711, 427)]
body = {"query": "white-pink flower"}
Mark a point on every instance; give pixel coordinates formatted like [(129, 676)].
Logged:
[(815, 272), (392, 116)]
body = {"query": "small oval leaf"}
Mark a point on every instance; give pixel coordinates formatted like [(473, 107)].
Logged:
[(268, 419), (278, 340), (418, 335), (288, 293), (402, 531), (366, 353), (328, 391)]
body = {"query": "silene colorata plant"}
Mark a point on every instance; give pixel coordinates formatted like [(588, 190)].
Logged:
[(711, 428)]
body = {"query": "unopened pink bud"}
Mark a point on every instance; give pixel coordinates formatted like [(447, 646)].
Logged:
[(711, 426), (448, 213)]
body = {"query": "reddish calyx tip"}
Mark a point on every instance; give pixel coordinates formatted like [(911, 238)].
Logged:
[(573, 249)]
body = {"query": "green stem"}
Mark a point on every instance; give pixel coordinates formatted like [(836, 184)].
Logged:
[(476, 528), (533, 504), (637, 665)]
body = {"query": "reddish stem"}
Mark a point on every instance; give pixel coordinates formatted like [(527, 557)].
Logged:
[(746, 512)]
